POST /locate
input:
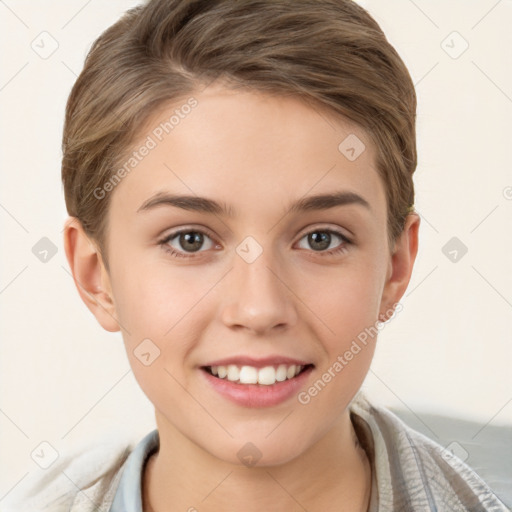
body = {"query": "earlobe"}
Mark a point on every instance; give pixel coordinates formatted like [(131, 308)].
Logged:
[(400, 266), (89, 273)]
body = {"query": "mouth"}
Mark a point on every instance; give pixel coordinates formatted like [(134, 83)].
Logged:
[(265, 376)]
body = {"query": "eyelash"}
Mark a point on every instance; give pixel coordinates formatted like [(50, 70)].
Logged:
[(175, 254)]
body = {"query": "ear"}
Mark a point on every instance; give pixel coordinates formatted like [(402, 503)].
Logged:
[(89, 273), (400, 266)]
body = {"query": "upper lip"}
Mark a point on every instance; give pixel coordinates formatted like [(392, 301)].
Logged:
[(257, 362)]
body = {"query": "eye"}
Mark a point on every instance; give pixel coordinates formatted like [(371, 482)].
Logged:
[(186, 241), (321, 239)]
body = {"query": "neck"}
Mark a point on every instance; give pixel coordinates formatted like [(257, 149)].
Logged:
[(333, 474)]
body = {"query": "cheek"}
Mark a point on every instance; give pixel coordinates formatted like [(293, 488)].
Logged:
[(346, 311), (344, 302), (157, 312), (151, 299), (163, 312)]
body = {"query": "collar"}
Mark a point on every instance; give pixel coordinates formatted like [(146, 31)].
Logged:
[(128, 497)]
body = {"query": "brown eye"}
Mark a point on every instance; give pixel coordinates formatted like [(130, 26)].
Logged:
[(191, 240), (321, 240), (187, 241)]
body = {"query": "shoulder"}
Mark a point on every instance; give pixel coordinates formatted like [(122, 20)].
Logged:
[(415, 473), (84, 480)]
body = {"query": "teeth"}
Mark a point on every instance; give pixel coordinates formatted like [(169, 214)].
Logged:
[(233, 372), (248, 375), (290, 373), (251, 375), (281, 373), (267, 375)]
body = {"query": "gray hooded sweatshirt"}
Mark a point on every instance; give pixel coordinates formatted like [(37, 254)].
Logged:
[(410, 473)]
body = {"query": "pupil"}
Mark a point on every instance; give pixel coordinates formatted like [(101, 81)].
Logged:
[(324, 239), (196, 239)]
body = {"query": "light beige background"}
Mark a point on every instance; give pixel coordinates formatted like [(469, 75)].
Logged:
[(66, 381)]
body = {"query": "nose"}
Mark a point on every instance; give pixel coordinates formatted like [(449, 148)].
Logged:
[(257, 297)]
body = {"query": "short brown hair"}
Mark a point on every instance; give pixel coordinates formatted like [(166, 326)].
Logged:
[(329, 52)]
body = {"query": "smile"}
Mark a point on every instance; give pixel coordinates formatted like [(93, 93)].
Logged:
[(249, 386), (266, 376)]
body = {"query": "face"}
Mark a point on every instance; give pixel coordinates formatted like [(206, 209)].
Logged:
[(252, 276)]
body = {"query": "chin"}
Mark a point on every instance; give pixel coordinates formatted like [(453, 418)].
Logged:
[(258, 453)]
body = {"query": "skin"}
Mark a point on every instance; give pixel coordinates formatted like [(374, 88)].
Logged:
[(257, 153)]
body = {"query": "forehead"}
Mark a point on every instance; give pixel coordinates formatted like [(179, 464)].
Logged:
[(242, 147)]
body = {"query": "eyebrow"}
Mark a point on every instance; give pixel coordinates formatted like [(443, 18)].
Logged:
[(205, 205)]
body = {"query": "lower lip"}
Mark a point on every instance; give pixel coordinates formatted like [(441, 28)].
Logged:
[(258, 395)]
